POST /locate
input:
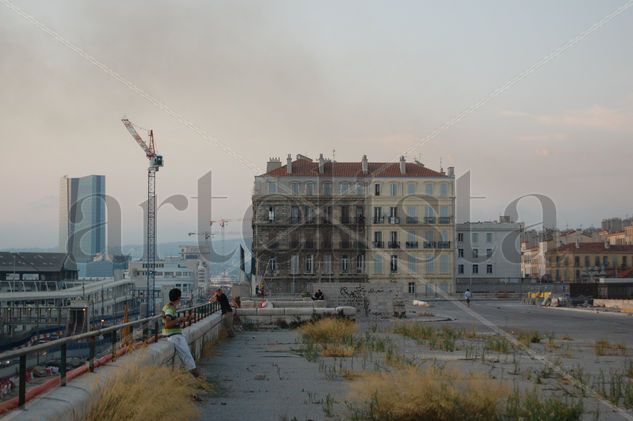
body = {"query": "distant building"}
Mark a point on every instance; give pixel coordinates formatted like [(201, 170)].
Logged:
[(319, 221), (584, 262), (82, 217), (616, 224), (171, 272), (488, 252), (35, 271)]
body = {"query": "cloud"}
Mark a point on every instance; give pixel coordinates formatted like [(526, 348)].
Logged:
[(596, 117), (544, 152), (543, 137)]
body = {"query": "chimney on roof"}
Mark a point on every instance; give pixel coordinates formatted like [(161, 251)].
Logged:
[(365, 165), (451, 171), (577, 242), (321, 163), (403, 165), (607, 244), (289, 164), (273, 164)]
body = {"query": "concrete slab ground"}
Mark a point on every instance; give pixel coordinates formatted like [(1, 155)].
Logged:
[(259, 377)]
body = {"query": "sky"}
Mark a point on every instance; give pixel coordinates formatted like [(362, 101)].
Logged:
[(258, 79)]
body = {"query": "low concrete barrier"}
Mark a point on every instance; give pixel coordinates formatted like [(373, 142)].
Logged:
[(308, 303), (274, 315), (625, 306), (73, 401)]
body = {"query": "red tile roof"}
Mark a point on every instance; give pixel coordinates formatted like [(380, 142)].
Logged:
[(595, 247), (304, 167)]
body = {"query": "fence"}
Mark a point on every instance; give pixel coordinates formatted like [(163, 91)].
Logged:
[(121, 334)]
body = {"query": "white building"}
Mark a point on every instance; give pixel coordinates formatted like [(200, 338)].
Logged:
[(171, 272), (488, 252)]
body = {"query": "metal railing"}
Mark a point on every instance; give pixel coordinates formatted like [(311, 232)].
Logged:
[(196, 312)]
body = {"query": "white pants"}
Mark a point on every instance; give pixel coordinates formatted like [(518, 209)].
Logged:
[(182, 349)]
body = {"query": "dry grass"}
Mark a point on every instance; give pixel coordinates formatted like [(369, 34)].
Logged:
[(147, 393), (410, 394), (337, 350), (604, 347), (329, 331)]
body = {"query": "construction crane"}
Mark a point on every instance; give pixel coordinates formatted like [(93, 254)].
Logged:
[(155, 162), (222, 222)]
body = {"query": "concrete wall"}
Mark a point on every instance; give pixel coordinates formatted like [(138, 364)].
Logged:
[(72, 402), (626, 306), (269, 316)]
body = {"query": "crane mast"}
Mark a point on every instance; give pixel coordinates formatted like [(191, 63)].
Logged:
[(155, 162)]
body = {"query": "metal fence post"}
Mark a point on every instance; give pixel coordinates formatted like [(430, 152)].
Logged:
[(62, 365), (22, 390), (93, 346), (113, 340)]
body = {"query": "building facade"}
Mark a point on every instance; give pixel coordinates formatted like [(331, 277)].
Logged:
[(171, 272), (488, 252), (326, 221), (82, 217), (586, 262)]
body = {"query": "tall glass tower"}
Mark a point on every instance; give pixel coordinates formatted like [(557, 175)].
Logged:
[(82, 217)]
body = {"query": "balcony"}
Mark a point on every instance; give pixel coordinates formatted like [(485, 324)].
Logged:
[(295, 220), (311, 220), (360, 245), (273, 246), (309, 245), (294, 244), (346, 244), (412, 219), (378, 244), (379, 219), (359, 220), (412, 244), (393, 220), (326, 245), (429, 244), (346, 220), (429, 219), (444, 220), (443, 244), (394, 244), (325, 220)]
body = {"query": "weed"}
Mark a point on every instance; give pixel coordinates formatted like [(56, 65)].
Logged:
[(527, 337), (328, 331), (603, 347), (530, 406), (328, 406), (498, 344), (146, 392)]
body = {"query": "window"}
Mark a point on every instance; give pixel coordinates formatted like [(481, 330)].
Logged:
[(460, 269), (377, 264), (327, 213), (309, 214), (411, 265), (488, 268), (294, 264), (295, 188), (488, 237), (360, 263), (295, 216), (327, 264), (393, 212), (310, 189), (327, 189), (309, 263), (625, 261), (344, 264), (360, 189), (475, 269), (411, 211), (488, 253), (411, 237), (475, 237), (411, 188), (475, 253), (576, 261), (271, 214), (430, 267), (344, 188), (444, 189), (597, 261), (377, 189), (605, 261), (411, 287), (378, 236), (460, 237), (272, 265), (444, 263), (394, 189), (460, 252), (272, 187), (394, 264), (345, 214), (429, 189), (587, 261)]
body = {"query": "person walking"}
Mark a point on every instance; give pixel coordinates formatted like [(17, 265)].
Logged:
[(467, 296), (173, 330), (227, 311)]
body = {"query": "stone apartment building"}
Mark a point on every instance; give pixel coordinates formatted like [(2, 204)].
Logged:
[(327, 221), (586, 262)]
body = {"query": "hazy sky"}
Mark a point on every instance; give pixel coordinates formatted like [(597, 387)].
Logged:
[(268, 78)]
